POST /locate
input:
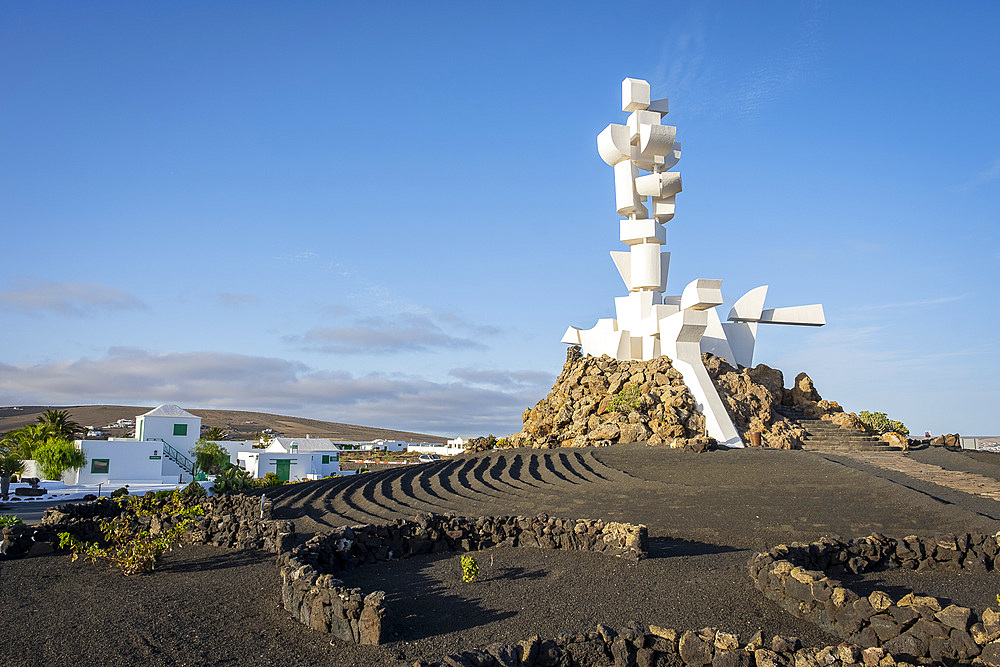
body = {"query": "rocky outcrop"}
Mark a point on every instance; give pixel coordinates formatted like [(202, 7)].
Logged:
[(750, 395), (601, 401), (948, 440)]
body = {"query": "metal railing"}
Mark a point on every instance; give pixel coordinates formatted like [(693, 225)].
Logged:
[(177, 457)]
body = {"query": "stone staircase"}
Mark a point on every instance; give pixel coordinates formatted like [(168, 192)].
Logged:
[(827, 437)]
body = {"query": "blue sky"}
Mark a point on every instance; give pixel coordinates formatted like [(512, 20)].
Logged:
[(389, 213)]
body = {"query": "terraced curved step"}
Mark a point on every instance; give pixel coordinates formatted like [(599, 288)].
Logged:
[(824, 436)]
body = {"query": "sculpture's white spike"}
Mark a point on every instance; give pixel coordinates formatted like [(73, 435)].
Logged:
[(623, 262), (807, 316), (572, 336), (714, 341), (749, 306), (742, 337)]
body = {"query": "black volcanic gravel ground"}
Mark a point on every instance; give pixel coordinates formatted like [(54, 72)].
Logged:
[(706, 515)]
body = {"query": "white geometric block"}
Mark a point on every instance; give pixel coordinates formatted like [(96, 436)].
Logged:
[(572, 336), (664, 271), (670, 161), (660, 106), (663, 209), (714, 341), (742, 337), (626, 198), (656, 140), (636, 120), (650, 347), (663, 184), (632, 232), (654, 163), (808, 316), (645, 266), (623, 262), (749, 307), (636, 313), (635, 94), (701, 294), (613, 144), (635, 348)]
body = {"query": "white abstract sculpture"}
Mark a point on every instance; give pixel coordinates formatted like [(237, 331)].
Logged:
[(649, 324)]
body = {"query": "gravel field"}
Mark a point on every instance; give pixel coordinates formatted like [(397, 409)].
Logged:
[(706, 515)]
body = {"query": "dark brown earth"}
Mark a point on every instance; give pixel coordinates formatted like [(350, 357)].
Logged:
[(240, 424), (706, 513)]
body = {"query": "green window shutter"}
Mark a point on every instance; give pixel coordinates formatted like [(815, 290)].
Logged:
[(180, 429), (100, 466), (326, 459)]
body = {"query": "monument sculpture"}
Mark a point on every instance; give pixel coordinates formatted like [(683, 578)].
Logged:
[(649, 323)]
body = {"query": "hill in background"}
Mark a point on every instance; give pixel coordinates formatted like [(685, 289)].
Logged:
[(240, 424)]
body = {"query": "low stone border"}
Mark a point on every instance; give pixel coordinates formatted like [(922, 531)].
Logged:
[(796, 576), (656, 647), (236, 522), (314, 596)]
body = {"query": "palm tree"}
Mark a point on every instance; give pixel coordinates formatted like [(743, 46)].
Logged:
[(59, 424), (215, 433), (24, 441)]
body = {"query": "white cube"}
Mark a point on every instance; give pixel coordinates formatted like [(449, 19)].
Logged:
[(635, 94)]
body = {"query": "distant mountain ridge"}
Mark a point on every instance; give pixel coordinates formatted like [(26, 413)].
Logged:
[(240, 424)]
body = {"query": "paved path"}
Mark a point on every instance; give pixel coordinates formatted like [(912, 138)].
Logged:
[(966, 482)]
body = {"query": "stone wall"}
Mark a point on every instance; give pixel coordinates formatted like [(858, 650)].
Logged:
[(313, 593), (236, 522), (797, 577), (654, 646)]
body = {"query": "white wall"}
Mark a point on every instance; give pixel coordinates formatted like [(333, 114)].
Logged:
[(430, 448), (127, 462), (303, 466), (148, 428)]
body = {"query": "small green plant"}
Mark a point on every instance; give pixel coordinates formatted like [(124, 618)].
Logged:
[(878, 423), (9, 520), (626, 399), (120, 492), (470, 568), (131, 546)]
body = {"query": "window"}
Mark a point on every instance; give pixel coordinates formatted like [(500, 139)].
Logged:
[(100, 466), (326, 459), (180, 429)]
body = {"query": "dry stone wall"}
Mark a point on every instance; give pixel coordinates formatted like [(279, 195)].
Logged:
[(654, 646), (315, 595), (797, 577)]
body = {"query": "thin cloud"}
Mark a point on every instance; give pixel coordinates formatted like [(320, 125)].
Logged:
[(988, 175), (538, 380), (915, 304), (71, 299), (234, 381), (405, 333)]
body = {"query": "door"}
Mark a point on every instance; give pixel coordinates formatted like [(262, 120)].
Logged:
[(282, 467)]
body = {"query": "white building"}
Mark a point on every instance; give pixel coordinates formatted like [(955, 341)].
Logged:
[(456, 446)]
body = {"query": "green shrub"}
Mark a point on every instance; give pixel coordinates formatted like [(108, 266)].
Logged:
[(233, 480), (210, 457), (9, 520), (627, 399), (193, 491), (120, 492), (270, 479), (130, 545), (57, 456), (470, 568), (878, 423)]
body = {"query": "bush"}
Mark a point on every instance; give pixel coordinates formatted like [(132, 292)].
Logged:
[(878, 423), (210, 457), (232, 480), (627, 399), (193, 491), (120, 492), (130, 545), (470, 568), (57, 456), (270, 479), (9, 520)]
